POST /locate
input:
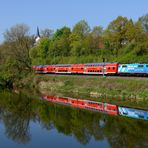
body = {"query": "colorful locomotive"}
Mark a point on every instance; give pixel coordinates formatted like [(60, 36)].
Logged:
[(133, 69), (94, 68)]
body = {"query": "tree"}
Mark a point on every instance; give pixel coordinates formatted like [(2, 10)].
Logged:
[(133, 32), (62, 32), (115, 33), (79, 39), (97, 31), (15, 51), (19, 41), (97, 40), (144, 22), (48, 33), (39, 52), (60, 44), (81, 28), (16, 32)]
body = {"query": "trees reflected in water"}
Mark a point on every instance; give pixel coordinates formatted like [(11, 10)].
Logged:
[(16, 114), (17, 128), (17, 111)]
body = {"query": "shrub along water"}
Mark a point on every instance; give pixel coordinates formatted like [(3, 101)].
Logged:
[(114, 90)]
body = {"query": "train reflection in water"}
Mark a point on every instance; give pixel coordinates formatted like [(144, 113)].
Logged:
[(100, 107)]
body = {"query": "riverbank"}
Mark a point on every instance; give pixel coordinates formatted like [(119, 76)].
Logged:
[(129, 92)]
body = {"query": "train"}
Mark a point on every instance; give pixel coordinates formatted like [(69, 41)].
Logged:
[(99, 107), (94, 68)]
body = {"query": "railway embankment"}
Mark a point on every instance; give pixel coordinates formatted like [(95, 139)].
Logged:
[(129, 92)]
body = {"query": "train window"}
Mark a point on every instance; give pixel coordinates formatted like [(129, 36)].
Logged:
[(124, 66), (100, 104), (140, 116), (113, 68), (125, 113), (140, 65), (108, 68), (146, 65)]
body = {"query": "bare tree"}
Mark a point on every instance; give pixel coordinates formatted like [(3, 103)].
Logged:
[(19, 41), (47, 33), (16, 32)]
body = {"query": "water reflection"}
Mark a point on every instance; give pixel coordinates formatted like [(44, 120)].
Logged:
[(99, 106), (19, 114)]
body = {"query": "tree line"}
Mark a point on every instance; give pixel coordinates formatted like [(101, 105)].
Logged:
[(123, 41)]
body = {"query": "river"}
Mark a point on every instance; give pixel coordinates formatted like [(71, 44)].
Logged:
[(28, 121)]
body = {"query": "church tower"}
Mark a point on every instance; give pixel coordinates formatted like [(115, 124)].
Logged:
[(37, 38)]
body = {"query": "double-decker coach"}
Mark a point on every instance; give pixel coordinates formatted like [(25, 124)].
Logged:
[(101, 68)]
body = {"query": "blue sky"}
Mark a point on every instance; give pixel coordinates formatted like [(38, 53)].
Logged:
[(54, 14)]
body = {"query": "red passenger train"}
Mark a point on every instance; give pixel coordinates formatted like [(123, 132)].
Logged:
[(92, 68)]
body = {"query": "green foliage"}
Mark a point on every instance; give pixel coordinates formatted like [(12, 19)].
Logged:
[(122, 41), (142, 49), (15, 60), (144, 22), (81, 28), (63, 32), (40, 51), (115, 33)]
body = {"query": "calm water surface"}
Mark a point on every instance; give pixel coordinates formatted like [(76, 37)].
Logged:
[(26, 121)]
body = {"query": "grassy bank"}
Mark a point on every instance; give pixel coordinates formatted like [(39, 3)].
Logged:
[(120, 91)]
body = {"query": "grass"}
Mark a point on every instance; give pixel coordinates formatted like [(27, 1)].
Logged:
[(114, 90)]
